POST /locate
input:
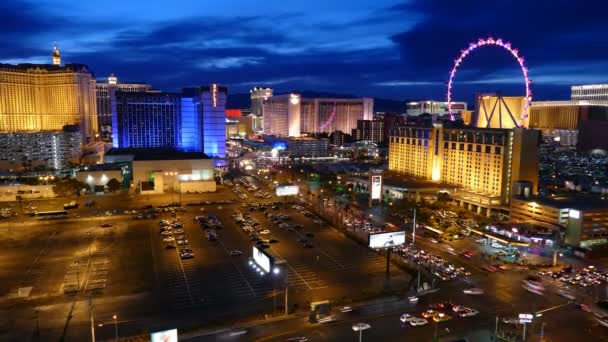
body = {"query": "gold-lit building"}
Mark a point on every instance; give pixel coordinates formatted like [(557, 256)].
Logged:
[(585, 121), (481, 164), (46, 97), (495, 111)]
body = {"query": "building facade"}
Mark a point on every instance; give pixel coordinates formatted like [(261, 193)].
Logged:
[(258, 96), (589, 92), (192, 121), (307, 147), (584, 219), (372, 130), (146, 120), (433, 107), (586, 120), (46, 97), (481, 164), (292, 115), (164, 170), (106, 94), (54, 148)]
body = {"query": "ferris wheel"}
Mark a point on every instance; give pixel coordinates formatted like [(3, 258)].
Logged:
[(514, 52)]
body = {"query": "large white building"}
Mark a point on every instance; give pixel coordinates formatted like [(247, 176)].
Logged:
[(433, 107), (590, 92), (292, 115)]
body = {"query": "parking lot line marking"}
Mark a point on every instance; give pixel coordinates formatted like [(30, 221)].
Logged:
[(184, 274), (296, 272), (237, 268)]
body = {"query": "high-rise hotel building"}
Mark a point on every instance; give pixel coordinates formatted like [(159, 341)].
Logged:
[(193, 120), (106, 93), (46, 97), (482, 165), (291, 114)]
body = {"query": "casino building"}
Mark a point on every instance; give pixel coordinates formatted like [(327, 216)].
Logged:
[(47, 97), (291, 114), (482, 165), (192, 121)]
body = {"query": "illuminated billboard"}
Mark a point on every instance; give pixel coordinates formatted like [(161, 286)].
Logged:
[(262, 259), (376, 187), (386, 240), (287, 190), (164, 336)]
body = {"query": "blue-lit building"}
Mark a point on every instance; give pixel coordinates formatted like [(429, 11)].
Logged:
[(192, 121)]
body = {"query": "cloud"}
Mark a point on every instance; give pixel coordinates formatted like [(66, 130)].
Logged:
[(385, 48), (407, 83)]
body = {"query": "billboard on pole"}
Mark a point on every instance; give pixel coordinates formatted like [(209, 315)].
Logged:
[(262, 259), (386, 240), (164, 336), (375, 186), (287, 190)]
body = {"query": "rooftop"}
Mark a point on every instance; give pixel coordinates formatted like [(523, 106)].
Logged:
[(28, 67), (156, 154), (582, 202)]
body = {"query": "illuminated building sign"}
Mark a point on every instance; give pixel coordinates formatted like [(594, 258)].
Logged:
[(233, 112), (376, 187), (214, 94)]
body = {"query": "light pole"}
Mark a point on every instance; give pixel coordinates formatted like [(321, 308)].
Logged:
[(91, 318), (414, 228), (360, 327), (115, 327)]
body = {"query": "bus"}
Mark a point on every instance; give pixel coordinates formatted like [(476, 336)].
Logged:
[(51, 214)]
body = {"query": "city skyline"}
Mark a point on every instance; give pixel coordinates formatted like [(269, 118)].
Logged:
[(392, 49)]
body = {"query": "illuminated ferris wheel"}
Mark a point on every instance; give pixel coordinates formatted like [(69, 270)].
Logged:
[(514, 52)]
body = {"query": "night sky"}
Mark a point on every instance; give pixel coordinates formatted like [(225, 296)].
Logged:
[(382, 48)]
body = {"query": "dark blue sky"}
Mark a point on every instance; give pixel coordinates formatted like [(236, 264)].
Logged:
[(383, 48)]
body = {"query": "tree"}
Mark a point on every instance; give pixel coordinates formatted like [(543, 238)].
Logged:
[(67, 187), (113, 185), (443, 197), (452, 230)]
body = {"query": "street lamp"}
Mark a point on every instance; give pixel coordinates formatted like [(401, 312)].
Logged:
[(115, 327), (360, 327)]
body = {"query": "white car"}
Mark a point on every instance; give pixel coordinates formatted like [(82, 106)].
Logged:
[(417, 321), (265, 231), (168, 239), (236, 252), (469, 313), (473, 291), (413, 299), (434, 241), (407, 318)]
